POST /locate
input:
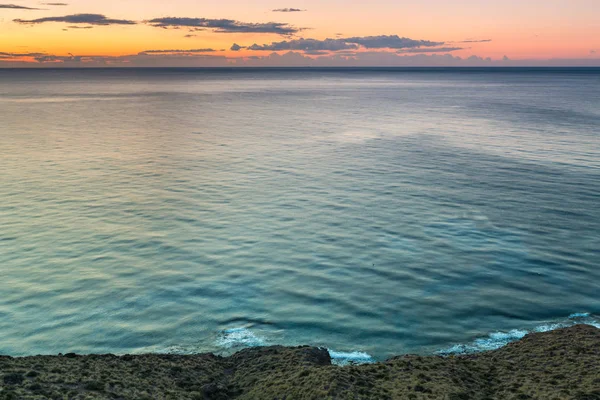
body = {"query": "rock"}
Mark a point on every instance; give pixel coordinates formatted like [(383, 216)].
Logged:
[(318, 356)]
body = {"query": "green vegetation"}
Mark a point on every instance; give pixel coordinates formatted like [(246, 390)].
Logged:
[(563, 364)]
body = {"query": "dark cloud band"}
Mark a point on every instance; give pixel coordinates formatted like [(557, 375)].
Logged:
[(88, 19), (475, 41), (313, 46), (224, 25), (303, 45), (177, 51), (17, 55), (390, 42), (287, 10), (430, 50), (16, 7)]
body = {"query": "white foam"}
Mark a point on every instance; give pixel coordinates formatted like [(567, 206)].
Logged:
[(239, 337), (347, 358), (579, 315), (549, 327), (494, 341), (497, 340), (177, 350)]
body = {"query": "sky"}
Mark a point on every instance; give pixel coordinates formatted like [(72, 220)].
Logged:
[(195, 33)]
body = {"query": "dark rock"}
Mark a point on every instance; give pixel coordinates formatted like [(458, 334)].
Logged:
[(318, 356)]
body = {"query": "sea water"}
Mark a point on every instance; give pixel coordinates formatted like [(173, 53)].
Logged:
[(370, 211)]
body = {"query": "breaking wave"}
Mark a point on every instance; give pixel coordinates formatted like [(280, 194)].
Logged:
[(234, 339), (497, 340), (239, 337), (356, 357)]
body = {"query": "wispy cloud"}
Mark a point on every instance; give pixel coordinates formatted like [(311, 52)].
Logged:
[(55, 4), (19, 55), (178, 51), (316, 53), (150, 58), (474, 41), (38, 57), (87, 19), (287, 10), (52, 59), (16, 7), (224, 25), (430, 50)]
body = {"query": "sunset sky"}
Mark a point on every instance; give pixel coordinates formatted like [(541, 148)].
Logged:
[(299, 32)]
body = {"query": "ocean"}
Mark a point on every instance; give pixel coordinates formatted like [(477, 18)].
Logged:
[(374, 211)]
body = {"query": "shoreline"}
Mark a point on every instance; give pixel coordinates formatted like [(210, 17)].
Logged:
[(559, 364)]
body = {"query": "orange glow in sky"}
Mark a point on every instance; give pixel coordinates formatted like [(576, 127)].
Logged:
[(552, 29)]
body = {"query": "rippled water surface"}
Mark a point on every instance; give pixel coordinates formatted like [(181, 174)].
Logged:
[(372, 212)]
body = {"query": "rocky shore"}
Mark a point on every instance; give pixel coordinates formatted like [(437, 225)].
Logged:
[(562, 364)]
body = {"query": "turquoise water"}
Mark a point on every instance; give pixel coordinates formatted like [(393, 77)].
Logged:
[(374, 212)]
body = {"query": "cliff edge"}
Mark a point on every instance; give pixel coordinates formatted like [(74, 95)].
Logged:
[(561, 364)]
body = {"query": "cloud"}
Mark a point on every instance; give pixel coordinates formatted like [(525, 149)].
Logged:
[(224, 25), (310, 46), (53, 59), (474, 41), (343, 58), (593, 51), (430, 50), (316, 53), (39, 57), (287, 10), (306, 45), (174, 58), (177, 51), (55, 4), (16, 7), (19, 55), (390, 42), (88, 19), (236, 47)]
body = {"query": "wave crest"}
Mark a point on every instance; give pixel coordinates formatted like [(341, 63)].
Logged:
[(349, 358), (497, 340), (239, 337)]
